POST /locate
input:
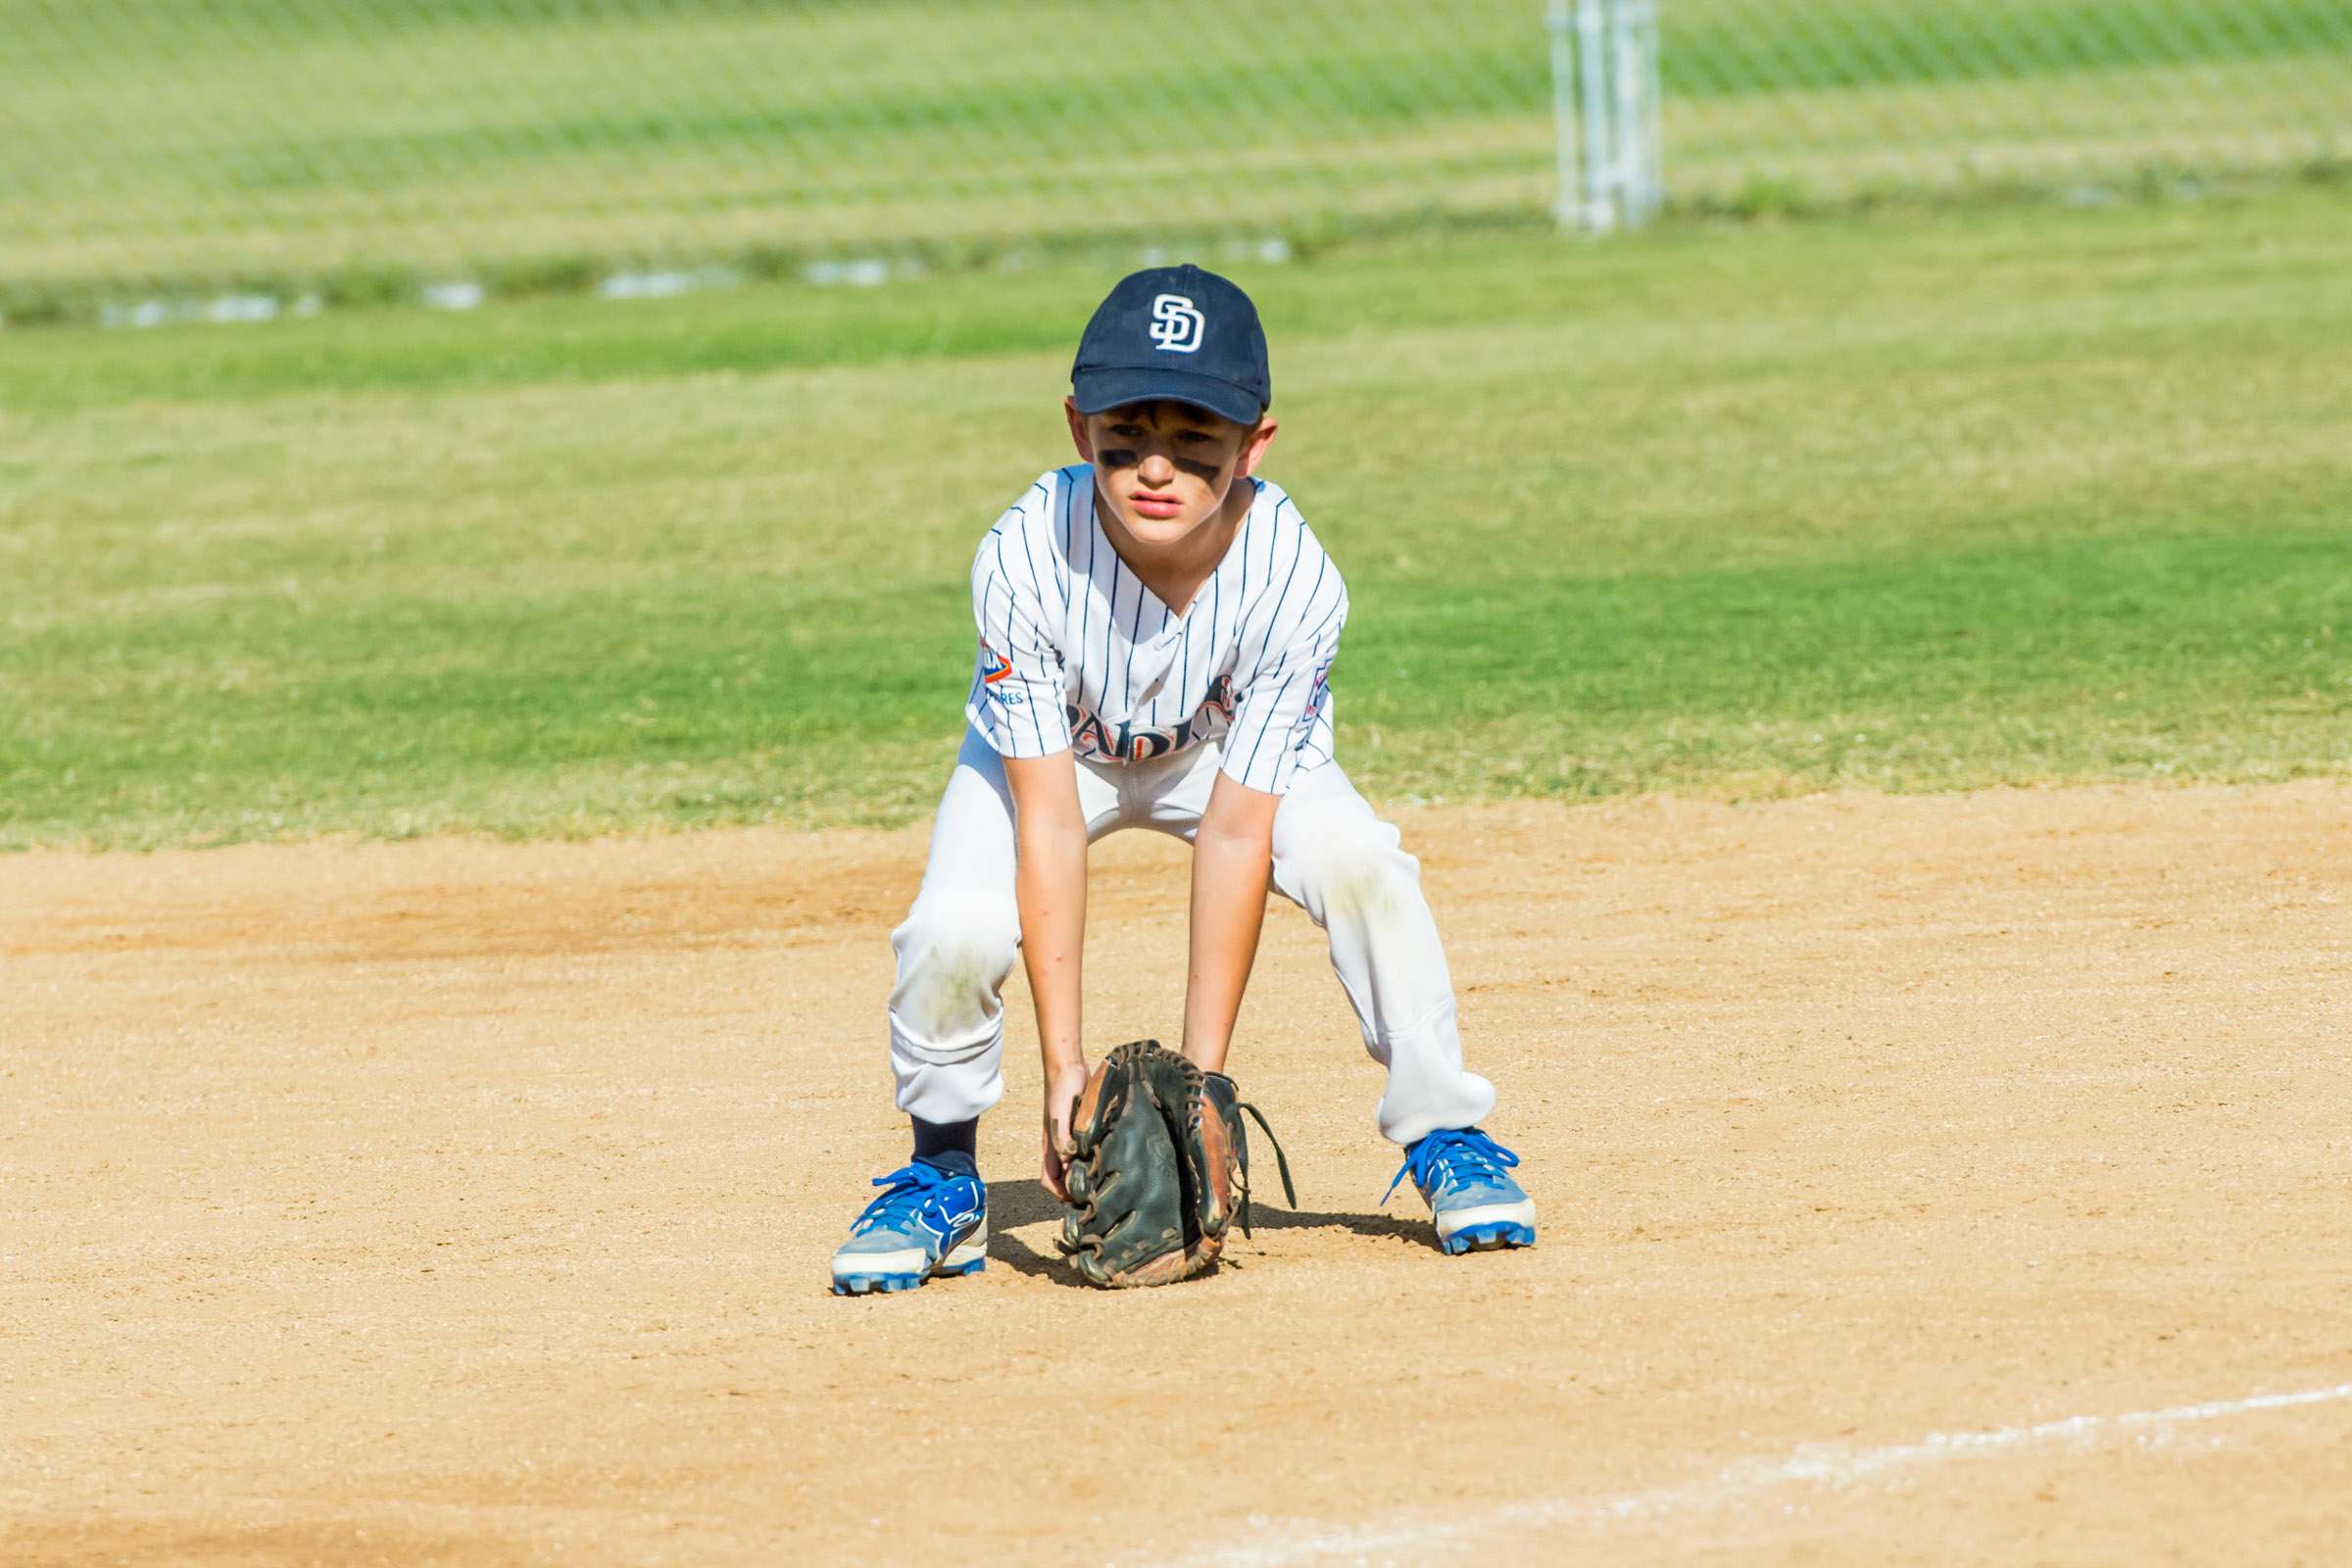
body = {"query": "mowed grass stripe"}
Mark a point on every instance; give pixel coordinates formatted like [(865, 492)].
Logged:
[(2210, 656), (2198, 655), (1932, 287)]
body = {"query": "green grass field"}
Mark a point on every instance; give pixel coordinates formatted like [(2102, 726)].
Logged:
[(2022, 496), (202, 143)]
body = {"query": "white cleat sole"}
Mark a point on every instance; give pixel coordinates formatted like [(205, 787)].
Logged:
[(1489, 1219), (856, 1273)]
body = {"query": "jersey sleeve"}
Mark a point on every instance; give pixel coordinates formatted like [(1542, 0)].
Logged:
[(1275, 720), (1018, 680)]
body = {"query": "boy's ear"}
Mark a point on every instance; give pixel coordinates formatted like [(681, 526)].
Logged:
[(1085, 442), (1254, 448)]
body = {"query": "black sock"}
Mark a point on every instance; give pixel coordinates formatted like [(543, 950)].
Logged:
[(947, 1138)]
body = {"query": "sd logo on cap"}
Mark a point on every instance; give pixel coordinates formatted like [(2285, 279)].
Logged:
[(1175, 332)]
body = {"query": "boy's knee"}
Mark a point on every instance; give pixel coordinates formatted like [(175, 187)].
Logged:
[(1355, 877), (954, 956)]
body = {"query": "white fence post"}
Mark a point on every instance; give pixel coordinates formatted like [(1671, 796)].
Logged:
[(1605, 103), (1560, 21), (1637, 134), (1593, 85)]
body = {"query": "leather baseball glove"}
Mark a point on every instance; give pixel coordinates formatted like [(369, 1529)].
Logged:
[(1160, 1169)]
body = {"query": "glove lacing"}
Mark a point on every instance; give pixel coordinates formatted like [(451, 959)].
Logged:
[(1280, 1163)]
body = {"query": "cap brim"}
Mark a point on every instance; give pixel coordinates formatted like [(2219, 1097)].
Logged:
[(1094, 391)]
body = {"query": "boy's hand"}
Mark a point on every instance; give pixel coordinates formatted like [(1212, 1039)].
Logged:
[(1063, 1090)]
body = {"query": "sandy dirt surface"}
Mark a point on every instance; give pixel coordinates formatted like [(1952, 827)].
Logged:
[(1955, 1179)]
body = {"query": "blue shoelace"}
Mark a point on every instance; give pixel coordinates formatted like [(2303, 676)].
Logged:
[(1454, 1156), (907, 1189)]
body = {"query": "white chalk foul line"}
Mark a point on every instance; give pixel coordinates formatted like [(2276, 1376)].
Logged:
[(1816, 1464)]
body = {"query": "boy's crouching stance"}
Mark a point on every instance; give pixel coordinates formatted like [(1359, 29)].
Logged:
[(1157, 634)]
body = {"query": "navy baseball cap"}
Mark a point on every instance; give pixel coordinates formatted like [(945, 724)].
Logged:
[(1175, 332)]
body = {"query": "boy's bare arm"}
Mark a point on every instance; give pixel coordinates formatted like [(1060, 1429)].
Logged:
[(1232, 858), (1050, 886)]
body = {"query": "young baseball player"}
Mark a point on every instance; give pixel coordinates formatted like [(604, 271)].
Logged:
[(1156, 631)]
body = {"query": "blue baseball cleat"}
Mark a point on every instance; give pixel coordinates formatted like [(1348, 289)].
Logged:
[(1464, 1175), (931, 1222)]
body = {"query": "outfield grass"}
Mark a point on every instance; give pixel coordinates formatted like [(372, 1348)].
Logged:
[(232, 139), (2038, 496)]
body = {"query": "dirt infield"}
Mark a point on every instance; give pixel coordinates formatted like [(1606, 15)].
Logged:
[(1958, 1178)]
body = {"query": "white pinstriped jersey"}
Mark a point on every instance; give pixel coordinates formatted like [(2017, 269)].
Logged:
[(1076, 653)]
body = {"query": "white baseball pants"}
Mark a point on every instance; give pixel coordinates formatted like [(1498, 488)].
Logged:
[(1333, 857)]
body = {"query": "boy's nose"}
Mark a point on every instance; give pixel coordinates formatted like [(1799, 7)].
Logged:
[(1155, 469)]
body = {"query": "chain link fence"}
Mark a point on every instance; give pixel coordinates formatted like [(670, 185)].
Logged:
[(1864, 97), (208, 144)]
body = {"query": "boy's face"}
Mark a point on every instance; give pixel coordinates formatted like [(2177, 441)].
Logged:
[(1164, 469)]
